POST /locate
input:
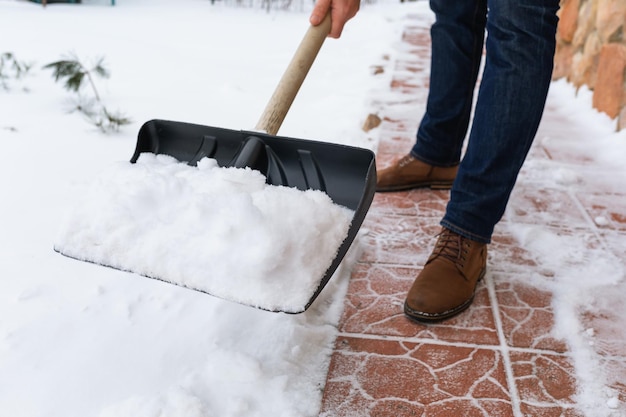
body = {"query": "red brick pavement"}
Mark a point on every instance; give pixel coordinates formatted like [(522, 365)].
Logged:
[(500, 357)]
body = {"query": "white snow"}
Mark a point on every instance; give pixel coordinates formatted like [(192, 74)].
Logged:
[(220, 230), (77, 339)]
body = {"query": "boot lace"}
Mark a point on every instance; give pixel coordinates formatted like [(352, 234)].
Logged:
[(451, 246)]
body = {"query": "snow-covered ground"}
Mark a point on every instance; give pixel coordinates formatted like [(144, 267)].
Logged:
[(77, 339), (81, 340)]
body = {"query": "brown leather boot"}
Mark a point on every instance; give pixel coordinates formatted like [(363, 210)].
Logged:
[(408, 172), (446, 285)]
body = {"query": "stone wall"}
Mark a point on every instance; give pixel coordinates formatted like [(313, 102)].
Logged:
[(591, 51)]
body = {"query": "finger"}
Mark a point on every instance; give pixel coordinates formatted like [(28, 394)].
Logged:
[(340, 14), (319, 12)]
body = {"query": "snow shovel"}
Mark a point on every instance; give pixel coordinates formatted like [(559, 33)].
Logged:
[(346, 174)]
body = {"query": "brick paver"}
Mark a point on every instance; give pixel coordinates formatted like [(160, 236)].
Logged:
[(500, 357)]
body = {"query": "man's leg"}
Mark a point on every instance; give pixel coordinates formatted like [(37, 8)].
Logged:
[(457, 42), (511, 99), (518, 69)]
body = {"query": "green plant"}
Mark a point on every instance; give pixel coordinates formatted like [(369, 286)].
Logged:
[(11, 68), (74, 74)]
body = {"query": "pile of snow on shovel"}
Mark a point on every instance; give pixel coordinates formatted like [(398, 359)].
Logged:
[(223, 231)]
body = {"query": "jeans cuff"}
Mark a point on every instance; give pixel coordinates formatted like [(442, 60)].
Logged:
[(433, 163), (465, 233)]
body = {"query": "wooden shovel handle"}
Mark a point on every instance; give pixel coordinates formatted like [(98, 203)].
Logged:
[(293, 77)]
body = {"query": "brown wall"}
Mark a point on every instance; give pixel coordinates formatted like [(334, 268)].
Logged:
[(591, 51)]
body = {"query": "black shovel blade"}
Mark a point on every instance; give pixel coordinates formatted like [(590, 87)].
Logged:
[(346, 174)]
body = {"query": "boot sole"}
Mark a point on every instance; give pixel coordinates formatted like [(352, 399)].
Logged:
[(423, 317), (431, 185)]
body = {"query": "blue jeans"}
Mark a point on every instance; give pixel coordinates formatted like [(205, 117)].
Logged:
[(520, 46)]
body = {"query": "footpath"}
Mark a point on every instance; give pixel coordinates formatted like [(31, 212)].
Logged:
[(507, 355)]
